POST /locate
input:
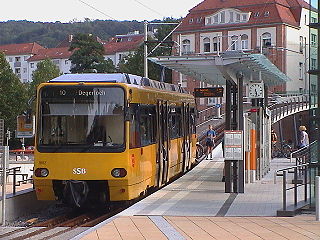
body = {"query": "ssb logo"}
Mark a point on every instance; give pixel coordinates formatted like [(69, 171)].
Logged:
[(79, 171)]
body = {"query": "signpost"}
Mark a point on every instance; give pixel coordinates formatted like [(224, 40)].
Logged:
[(234, 155)]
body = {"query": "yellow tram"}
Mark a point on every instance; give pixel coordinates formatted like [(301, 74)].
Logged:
[(110, 137)]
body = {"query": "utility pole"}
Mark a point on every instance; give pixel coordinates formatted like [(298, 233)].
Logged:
[(145, 53)]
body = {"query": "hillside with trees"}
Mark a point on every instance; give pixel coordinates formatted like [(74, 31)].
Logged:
[(51, 34)]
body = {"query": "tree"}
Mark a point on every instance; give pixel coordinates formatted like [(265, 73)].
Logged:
[(46, 70), (88, 55), (133, 63), (106, 66), (13, 97)]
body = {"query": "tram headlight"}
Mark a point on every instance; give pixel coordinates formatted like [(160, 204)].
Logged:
[(119, 172), (41, 172)]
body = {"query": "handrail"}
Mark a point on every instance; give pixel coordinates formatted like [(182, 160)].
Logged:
[(209, 120), (302, 167), (301, 150), (14, 171), (287, 168), (288, 105), (206, 109)]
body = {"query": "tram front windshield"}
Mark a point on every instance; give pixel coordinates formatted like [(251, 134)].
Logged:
[(81, 119)]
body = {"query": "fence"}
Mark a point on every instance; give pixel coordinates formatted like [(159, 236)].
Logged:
[(288, 105)]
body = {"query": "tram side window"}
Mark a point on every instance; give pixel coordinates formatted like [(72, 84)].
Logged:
[(179, 122), (174, 126), (193, 120), (134, 127), (147, 122)]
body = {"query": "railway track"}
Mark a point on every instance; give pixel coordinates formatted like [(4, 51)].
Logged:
[(61, 227)]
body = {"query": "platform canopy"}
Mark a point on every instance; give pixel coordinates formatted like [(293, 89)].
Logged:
[(216, 69)]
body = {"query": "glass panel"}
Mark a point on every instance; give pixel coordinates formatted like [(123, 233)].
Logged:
[(314, 94), (83, 118)]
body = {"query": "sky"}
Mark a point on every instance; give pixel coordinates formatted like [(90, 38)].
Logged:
[(69, 10)]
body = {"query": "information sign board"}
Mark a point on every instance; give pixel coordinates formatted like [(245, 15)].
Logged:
[(25, 128), (233, 145), (208, 92)]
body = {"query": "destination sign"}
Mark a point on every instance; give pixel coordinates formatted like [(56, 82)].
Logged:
[(208, 92), (74, 92)]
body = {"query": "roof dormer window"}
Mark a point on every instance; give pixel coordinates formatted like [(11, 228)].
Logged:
[(237, 17), (266, 14), (244, 17), (191, 20), (257, 14), (199, 20), (222, 17), (231, 19), (216, 19), (228, 15)]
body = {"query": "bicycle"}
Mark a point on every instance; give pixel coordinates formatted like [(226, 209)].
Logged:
[(199, 151), (283, 151)]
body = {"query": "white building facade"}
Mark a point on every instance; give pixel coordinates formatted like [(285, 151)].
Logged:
[(17, 56), (59, 56)]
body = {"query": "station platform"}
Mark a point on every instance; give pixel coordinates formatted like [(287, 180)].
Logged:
[(196, 207)]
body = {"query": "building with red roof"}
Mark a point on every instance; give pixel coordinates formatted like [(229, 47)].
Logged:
[(23, 58), (115, 49), (59, 56), (276, 28), (122, 45), (17, 56)]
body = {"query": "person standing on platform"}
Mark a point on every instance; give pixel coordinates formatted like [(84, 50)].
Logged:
[(211, 135), (304, 137), (274, 140)]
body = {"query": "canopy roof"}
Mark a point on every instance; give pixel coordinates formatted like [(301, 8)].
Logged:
[(216, 69)]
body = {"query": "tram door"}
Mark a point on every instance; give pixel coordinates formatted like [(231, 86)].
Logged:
[(186, 135), (163, 142)]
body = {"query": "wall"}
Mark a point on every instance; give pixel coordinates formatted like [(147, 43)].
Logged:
[(24, 69), (294, 56)]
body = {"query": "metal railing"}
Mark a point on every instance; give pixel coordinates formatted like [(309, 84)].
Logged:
[(299, 170), (15, 173), (303, 155), (288, 105), (206, 115)]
